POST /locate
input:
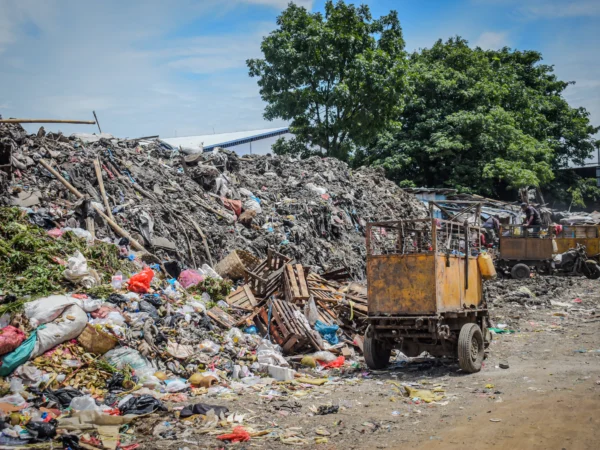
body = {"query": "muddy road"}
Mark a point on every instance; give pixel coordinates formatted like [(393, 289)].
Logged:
[(547, 398)]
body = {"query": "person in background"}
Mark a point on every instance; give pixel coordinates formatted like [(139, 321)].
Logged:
[(492, 228), (532, 217)]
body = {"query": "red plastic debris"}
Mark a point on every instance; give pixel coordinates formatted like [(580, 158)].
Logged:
[(239, 435), (140, 282)]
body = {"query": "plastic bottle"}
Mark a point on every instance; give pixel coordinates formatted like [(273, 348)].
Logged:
[(117, 280)]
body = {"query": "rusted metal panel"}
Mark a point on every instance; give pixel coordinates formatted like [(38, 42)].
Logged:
[(472, 296), (402, 284), (450, 282), (452, 295), (583, 235), (525, 248), (538, 249)]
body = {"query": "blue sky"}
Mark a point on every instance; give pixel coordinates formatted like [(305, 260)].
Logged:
[(177, 68)]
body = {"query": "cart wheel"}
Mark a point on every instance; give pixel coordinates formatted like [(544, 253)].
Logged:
[(377, 353), (470, 348), (520, 271)]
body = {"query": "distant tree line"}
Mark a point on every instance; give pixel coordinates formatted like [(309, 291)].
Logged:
[(480, 121)]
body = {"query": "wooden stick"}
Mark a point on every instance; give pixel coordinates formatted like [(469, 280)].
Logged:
[(120, 231), (101, 184), (81, 122)]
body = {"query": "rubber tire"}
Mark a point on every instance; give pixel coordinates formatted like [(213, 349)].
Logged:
[(593, 269), (377, 354), (520, 271), (470, 334)]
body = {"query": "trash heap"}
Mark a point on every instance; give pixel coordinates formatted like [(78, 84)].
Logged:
[(199, 208), (93, 336)]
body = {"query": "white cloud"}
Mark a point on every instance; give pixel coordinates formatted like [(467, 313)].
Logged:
[(491, 40)]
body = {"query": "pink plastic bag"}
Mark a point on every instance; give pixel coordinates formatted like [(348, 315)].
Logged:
[(10, 338), (140, 282), (189, 278)]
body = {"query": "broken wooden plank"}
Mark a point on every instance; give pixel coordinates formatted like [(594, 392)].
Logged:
[(221, 317)]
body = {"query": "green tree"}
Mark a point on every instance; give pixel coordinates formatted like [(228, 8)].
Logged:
[(481, 121), (337, 77)]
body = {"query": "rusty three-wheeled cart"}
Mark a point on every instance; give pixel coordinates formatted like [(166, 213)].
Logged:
[(425, 292)]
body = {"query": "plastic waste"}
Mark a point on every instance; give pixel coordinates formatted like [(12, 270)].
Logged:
[(336, 363), (140, 282), (234, 335), (327, 331), (149, 308), (85, 403), (143, 404), (210, 272), (45, 310), (80, 233), (16, 385), (125, 356), (209, 347), (269, 353), (176, 385), (117, 280), (189, 278), (14, 399), (316, 189), (20, 355), (202, 409), (311, 312), (63, 397), (251, 330), (324, 356), (42, 431), (77, 271), (73, 321), (239, 435), (10, 338)]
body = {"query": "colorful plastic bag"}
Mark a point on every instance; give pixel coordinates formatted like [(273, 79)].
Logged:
[(10, 338), (140, 282), (327, 331), (20, 355), (189, 278)]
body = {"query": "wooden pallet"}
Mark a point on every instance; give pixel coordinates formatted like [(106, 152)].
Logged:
[(242, 298), (337, 274), (285, 329), (221, 317), (266, 278), (294, 283)]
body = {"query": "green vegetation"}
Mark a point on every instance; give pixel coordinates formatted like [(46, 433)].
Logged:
[(338, 77), (30, 259), (481, 121)]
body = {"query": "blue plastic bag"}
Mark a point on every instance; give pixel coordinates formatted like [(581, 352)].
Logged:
[(19, 356), (327, 331)]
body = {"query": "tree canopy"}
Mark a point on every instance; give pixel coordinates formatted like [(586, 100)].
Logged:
[(338, 77), (481, 120)]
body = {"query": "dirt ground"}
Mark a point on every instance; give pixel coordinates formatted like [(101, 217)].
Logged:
[(548, 397)]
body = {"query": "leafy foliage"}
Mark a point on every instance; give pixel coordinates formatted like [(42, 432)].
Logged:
[(29, 257), (481, 121), (338, 77)]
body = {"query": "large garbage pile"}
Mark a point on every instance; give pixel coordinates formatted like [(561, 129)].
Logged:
[(135, 279), (199, 208), (92, 337)]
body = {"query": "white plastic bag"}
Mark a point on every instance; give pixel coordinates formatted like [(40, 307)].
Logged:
[(81, 233), (176, 385), (324, 356), (84, 403), (73, 321), (209, 347), (268, 353), (78, 272), (210, 272)]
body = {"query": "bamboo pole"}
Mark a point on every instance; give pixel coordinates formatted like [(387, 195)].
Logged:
[(81, 122), (101, 184), (120, 231)]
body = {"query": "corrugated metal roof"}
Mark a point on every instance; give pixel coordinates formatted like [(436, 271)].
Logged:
[(210, 141)]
